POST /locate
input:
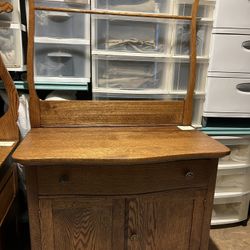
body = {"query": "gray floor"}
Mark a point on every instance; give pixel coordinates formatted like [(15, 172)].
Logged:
[(230, 238)]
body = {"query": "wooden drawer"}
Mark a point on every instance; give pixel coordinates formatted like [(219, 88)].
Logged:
[(232, 14), (7, 193), (123, 180)]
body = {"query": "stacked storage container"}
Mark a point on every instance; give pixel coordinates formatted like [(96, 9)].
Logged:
[(144, 58), (13, 37), (228, 96), (232, 186), (62, 43), (228, 88)]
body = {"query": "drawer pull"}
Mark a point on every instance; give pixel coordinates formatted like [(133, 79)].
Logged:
[(244, 87), (59, 16), (246, 45), (59, 54), (6, 7), (64, 178), (189, 174), (133, 237)]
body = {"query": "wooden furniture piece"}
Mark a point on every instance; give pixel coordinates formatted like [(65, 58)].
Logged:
[(9, 136), (117, 174)]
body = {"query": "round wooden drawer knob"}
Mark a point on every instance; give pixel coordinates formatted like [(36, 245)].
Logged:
[(64, 178), (189, 174), (133, 237)]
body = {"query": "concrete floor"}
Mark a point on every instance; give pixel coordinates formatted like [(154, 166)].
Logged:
[(230, 238)]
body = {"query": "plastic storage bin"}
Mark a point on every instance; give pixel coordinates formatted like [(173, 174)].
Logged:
[(230, 210), (11, 48), (128, 74), (60, 61), (61, 25), (232, 181), (139, 35), (130, 35), (236, 97)]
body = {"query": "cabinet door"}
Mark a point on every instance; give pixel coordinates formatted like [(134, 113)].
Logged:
[(171, 220), (81, 224)]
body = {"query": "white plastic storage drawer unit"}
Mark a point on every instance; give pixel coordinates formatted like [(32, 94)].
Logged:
[(228, 97), (230, 53), (11, 47), (230, 210), (59, 61), (232, 14), (15, 15)]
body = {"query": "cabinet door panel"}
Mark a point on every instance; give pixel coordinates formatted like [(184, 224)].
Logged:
[(165, 221), (80, 224)]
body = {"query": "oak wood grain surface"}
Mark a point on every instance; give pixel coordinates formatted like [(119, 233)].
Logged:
[(8, 187), (8, 122), (51, 146), (4, 153), (110, 113), (124, 179)]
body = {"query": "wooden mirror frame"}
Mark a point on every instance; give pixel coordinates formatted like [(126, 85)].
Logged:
[(8, 122), (111, 113)]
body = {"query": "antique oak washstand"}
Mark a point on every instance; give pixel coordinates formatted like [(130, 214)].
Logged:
[(117, 174)]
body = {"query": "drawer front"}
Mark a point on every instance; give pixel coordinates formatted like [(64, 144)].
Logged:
[(234, 180), (56, 60), (230, 210), (232, 14), (128, 74), (228, 95), (143, 75), (61, 25), (230, 53), (10, 46), (132, 35), (7, 195), (124, 180)]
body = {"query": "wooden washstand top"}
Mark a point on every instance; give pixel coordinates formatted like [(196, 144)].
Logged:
[(117, 145)]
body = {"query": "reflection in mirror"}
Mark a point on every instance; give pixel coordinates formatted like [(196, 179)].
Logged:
[(3, 102)]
